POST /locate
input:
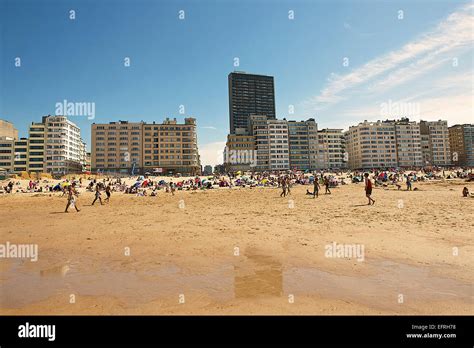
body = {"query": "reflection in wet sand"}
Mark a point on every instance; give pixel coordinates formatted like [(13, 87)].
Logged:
[(381, 289), (21, 286), (256, 276), (59, 270), (245, 278)]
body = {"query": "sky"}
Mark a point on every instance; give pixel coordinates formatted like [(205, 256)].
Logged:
[(340, 62)]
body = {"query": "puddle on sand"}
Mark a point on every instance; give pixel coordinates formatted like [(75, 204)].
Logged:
[(21, 286), (258, 276), (249, 277), (381, 289)]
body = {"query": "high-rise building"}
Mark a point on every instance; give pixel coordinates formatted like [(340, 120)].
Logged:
[(63, 146), (21, 155), (250, 94), (7, 129), (331, 149), (408, 139), (240, 152), (116, 147), (435, 143), (397, 143), (371, 145), (36, 147), (278, 144), (259, 130), (53, 146), (461, 141), (7, 153), (171, 147), (271, 143), (303, 144), (123, 147)]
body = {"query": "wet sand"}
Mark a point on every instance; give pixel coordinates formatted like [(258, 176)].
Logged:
[(242, 251)]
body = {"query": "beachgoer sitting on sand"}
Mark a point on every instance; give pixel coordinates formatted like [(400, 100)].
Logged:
[(465, 192)]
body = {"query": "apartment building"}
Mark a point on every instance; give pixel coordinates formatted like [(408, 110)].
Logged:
[(331, 149), (36, 147), (240, 152), (371, 145), (279, 153), (461, 141), (271, 143), (259, 129), (124, 147), (408, 139), (7, 153), (116, 147), (303, 144), (435, 143), (21, 157), (171, 147), (249, 94), (63, 146)]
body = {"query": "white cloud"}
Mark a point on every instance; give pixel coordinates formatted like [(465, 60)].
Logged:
[(417, 57), (209, 127), (448, 98), (211, 153)]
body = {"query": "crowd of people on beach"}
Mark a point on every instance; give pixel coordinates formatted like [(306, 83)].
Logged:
[(150, 186)]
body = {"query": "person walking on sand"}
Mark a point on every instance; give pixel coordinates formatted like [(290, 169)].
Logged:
[(316, 188), (97, 195), (283, 188), (368, 188), (288, 186), (326, 183), (107, 192), (408, 183), (71, 200)]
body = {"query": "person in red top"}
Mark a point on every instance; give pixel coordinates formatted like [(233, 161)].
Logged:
[(368, 188)]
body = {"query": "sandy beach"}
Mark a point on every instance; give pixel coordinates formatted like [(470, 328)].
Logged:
[(242, 251)]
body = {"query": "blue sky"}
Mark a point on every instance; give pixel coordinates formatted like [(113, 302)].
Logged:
[(336, 61)]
